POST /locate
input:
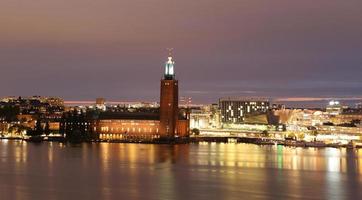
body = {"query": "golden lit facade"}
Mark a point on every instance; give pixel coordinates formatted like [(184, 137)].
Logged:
[(135, 129), (168, 123), (123, 129)]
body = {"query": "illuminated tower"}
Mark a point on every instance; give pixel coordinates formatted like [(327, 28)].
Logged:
[(169, 100)]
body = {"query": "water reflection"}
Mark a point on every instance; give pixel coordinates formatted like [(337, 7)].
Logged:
[(329, 159), (205, 171)]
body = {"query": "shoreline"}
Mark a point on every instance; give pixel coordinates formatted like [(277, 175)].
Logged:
[(193, 140)]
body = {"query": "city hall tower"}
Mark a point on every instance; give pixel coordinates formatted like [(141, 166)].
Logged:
[(169, 100)]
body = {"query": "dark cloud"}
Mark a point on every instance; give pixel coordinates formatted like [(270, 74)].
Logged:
[(83, 49)]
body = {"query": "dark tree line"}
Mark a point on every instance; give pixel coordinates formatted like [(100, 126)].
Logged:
[(77, 126), (9, 113), (40, 129)]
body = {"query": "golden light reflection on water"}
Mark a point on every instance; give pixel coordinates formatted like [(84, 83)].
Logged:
[(224, 155), (164, 171), (21, 152), (50, 154), (253, 156), (359, 160)]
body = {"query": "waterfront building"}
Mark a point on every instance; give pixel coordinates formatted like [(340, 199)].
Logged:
[(347, 118), (101, 104), (78, 125), (23, 112), (340, 130), (359, 106), (205, 117), (235, 110), (334, 108), (169, 100), (301, 117), (166, 122), (51, 107)]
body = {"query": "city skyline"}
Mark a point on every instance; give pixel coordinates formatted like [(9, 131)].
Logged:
[(221, 49), (171, 99)]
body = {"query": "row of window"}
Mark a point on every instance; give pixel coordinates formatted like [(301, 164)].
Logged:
[(126, 122), (128, 129), (123, 136)]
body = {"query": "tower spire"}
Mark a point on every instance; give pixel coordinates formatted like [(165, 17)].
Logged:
[(170, 51), (169, 66)]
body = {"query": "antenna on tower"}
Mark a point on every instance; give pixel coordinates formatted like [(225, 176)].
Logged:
[(170, 50)]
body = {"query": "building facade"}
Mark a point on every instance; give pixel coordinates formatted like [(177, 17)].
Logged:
[(235, 110), (168, 122), (169, 101), (205, 117), (334, 108)]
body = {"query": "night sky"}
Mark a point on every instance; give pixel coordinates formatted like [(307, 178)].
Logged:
[(83, 49)]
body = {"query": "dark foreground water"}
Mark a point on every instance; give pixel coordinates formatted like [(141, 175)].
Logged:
[(205, 171)]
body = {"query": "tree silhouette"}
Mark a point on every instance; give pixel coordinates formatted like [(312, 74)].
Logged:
[(195, 131), (38, 128), (47, 128)]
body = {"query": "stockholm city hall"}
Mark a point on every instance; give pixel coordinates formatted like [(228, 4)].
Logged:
[(169, 100), (169, 122)]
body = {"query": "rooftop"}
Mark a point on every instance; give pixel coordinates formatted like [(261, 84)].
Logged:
[(244, 99), (129, 115)]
